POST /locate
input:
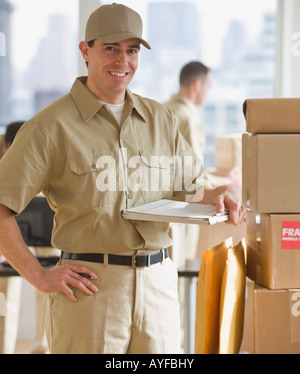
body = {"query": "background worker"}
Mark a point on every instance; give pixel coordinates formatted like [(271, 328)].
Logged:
[(104, 298), (194, 83)]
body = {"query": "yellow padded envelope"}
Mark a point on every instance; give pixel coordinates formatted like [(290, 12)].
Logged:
[(232, 302), (208, 298), (220, 299)]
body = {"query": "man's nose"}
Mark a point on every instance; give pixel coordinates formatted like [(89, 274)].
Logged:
[(121, 59)]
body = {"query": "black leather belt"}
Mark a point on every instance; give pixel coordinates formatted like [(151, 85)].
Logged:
[(134, 261)]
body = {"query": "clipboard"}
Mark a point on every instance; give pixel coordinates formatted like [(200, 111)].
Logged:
[(176, 211)]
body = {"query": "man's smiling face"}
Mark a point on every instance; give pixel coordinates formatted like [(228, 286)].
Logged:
[(111, 67)]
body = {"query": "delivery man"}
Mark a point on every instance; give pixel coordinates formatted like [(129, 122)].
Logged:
[(93, 153)]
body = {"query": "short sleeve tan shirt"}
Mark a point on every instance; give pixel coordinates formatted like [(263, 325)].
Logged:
[(90, 168), (189, 122)]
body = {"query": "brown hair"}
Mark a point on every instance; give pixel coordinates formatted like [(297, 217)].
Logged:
[(192, 71), (90, 44)]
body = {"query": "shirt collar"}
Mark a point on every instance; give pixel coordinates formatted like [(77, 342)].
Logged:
[(182, 99), (135, 103), (88, 105)]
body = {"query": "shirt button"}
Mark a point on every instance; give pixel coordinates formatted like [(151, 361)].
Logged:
[(129, 195)]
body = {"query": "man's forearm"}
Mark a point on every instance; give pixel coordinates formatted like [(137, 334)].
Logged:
[(14, 249), (59, 278)]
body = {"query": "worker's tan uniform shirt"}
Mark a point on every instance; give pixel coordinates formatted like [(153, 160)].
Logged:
[(89, 168), (189, 122)]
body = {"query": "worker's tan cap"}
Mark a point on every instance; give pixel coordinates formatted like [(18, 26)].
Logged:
[(113, 23)]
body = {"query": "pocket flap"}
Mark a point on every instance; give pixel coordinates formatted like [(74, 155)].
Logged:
[(157, 160), (87, 163)]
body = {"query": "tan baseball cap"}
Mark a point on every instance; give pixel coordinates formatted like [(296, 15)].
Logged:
[(113, 23)]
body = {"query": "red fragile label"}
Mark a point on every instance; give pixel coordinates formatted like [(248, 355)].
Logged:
[(290, 235)]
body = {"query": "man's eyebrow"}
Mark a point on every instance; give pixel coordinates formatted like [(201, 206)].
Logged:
[(116, 44), (137, 46)]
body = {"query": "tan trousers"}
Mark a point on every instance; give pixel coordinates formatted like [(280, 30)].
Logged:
[(135, 311), (40, 345)]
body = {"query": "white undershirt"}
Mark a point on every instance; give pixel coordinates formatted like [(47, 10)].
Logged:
[(116, 109)]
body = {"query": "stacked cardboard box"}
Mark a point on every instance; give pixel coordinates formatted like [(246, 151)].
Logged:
[(276, 320), (271, 193), (228, 152)]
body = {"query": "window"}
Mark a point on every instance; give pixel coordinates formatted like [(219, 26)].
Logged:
[(40, 62), (231, 116), (236, 39), (210, 115)]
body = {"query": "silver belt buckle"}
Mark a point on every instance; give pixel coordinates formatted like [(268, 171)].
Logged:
[(133, 262)]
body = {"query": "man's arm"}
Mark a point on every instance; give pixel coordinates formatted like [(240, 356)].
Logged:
[(226, 196), (59, 278)]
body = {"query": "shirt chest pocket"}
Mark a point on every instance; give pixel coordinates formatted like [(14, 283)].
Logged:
[(157, 176), (93, 179)]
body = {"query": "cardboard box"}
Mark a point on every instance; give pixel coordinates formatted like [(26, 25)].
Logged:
[(271, 173), (276, 321), (273, 249), (272, 115), (210, 236), (221, 177), (228, 152)]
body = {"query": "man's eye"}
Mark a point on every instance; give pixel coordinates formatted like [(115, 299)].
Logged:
[(109, 48)]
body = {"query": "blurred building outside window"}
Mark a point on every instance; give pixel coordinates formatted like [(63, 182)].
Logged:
[(40, 64)]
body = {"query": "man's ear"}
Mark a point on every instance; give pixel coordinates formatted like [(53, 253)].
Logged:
[(197, 85), (84, 49)]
